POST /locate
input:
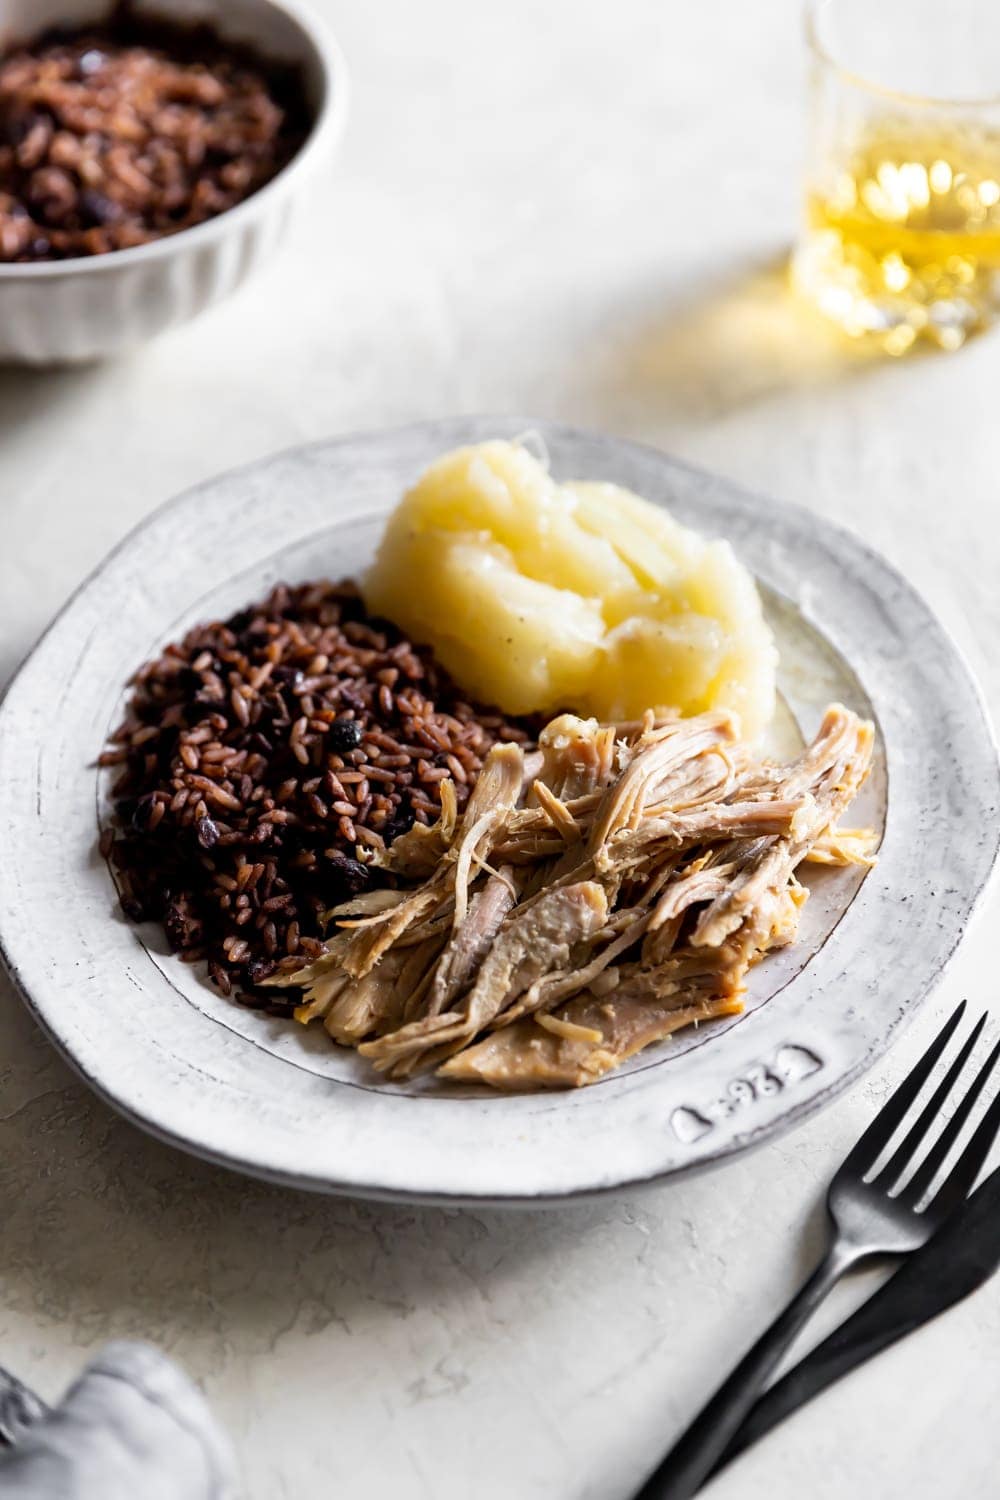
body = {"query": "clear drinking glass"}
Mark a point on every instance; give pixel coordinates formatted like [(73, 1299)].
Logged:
[(901, 239)]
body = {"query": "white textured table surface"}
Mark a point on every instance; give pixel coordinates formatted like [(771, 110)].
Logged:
[(576, 211)]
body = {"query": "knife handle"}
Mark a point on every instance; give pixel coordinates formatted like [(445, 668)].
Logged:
[(835, 1357), (688, 1464)]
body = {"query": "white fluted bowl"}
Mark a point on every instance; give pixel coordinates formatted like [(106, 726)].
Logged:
[(59, 312)]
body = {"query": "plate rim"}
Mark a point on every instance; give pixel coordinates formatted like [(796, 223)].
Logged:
[(469, 428)]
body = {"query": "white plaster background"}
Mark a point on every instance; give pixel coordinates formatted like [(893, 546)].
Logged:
[(580, 211)]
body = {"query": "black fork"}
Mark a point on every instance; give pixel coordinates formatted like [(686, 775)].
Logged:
[(867, 1218)]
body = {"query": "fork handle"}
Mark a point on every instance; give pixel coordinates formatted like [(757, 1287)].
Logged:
[(692, 1459)]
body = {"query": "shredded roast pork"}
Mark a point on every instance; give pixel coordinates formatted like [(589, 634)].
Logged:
[(592, 899)]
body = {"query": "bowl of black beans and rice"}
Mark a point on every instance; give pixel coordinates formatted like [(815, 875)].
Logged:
[(151, 154)]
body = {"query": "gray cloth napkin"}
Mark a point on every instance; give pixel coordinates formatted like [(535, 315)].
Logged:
[(132, 1425)]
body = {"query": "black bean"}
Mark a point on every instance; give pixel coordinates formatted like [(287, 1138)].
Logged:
[(208, 832), (260, 969), (98, 208), (344, 734), (352, 876), (292, 677), (402, 819)]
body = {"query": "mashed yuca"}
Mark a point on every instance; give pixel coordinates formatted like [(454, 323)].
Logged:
[(540, 596)]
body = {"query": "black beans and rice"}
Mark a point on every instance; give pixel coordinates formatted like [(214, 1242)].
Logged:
[(120, 134), (261, 764)]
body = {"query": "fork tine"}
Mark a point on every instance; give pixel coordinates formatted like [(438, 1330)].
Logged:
[(904, 1152), (936, 1156), (892, 1113), (963, 1174)]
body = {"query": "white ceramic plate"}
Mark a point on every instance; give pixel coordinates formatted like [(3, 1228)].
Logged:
[(279, 1101)]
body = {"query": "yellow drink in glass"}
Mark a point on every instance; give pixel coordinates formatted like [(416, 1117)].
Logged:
[(901, 238)]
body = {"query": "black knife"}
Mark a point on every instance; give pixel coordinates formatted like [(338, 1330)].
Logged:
[(963, 1254)]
